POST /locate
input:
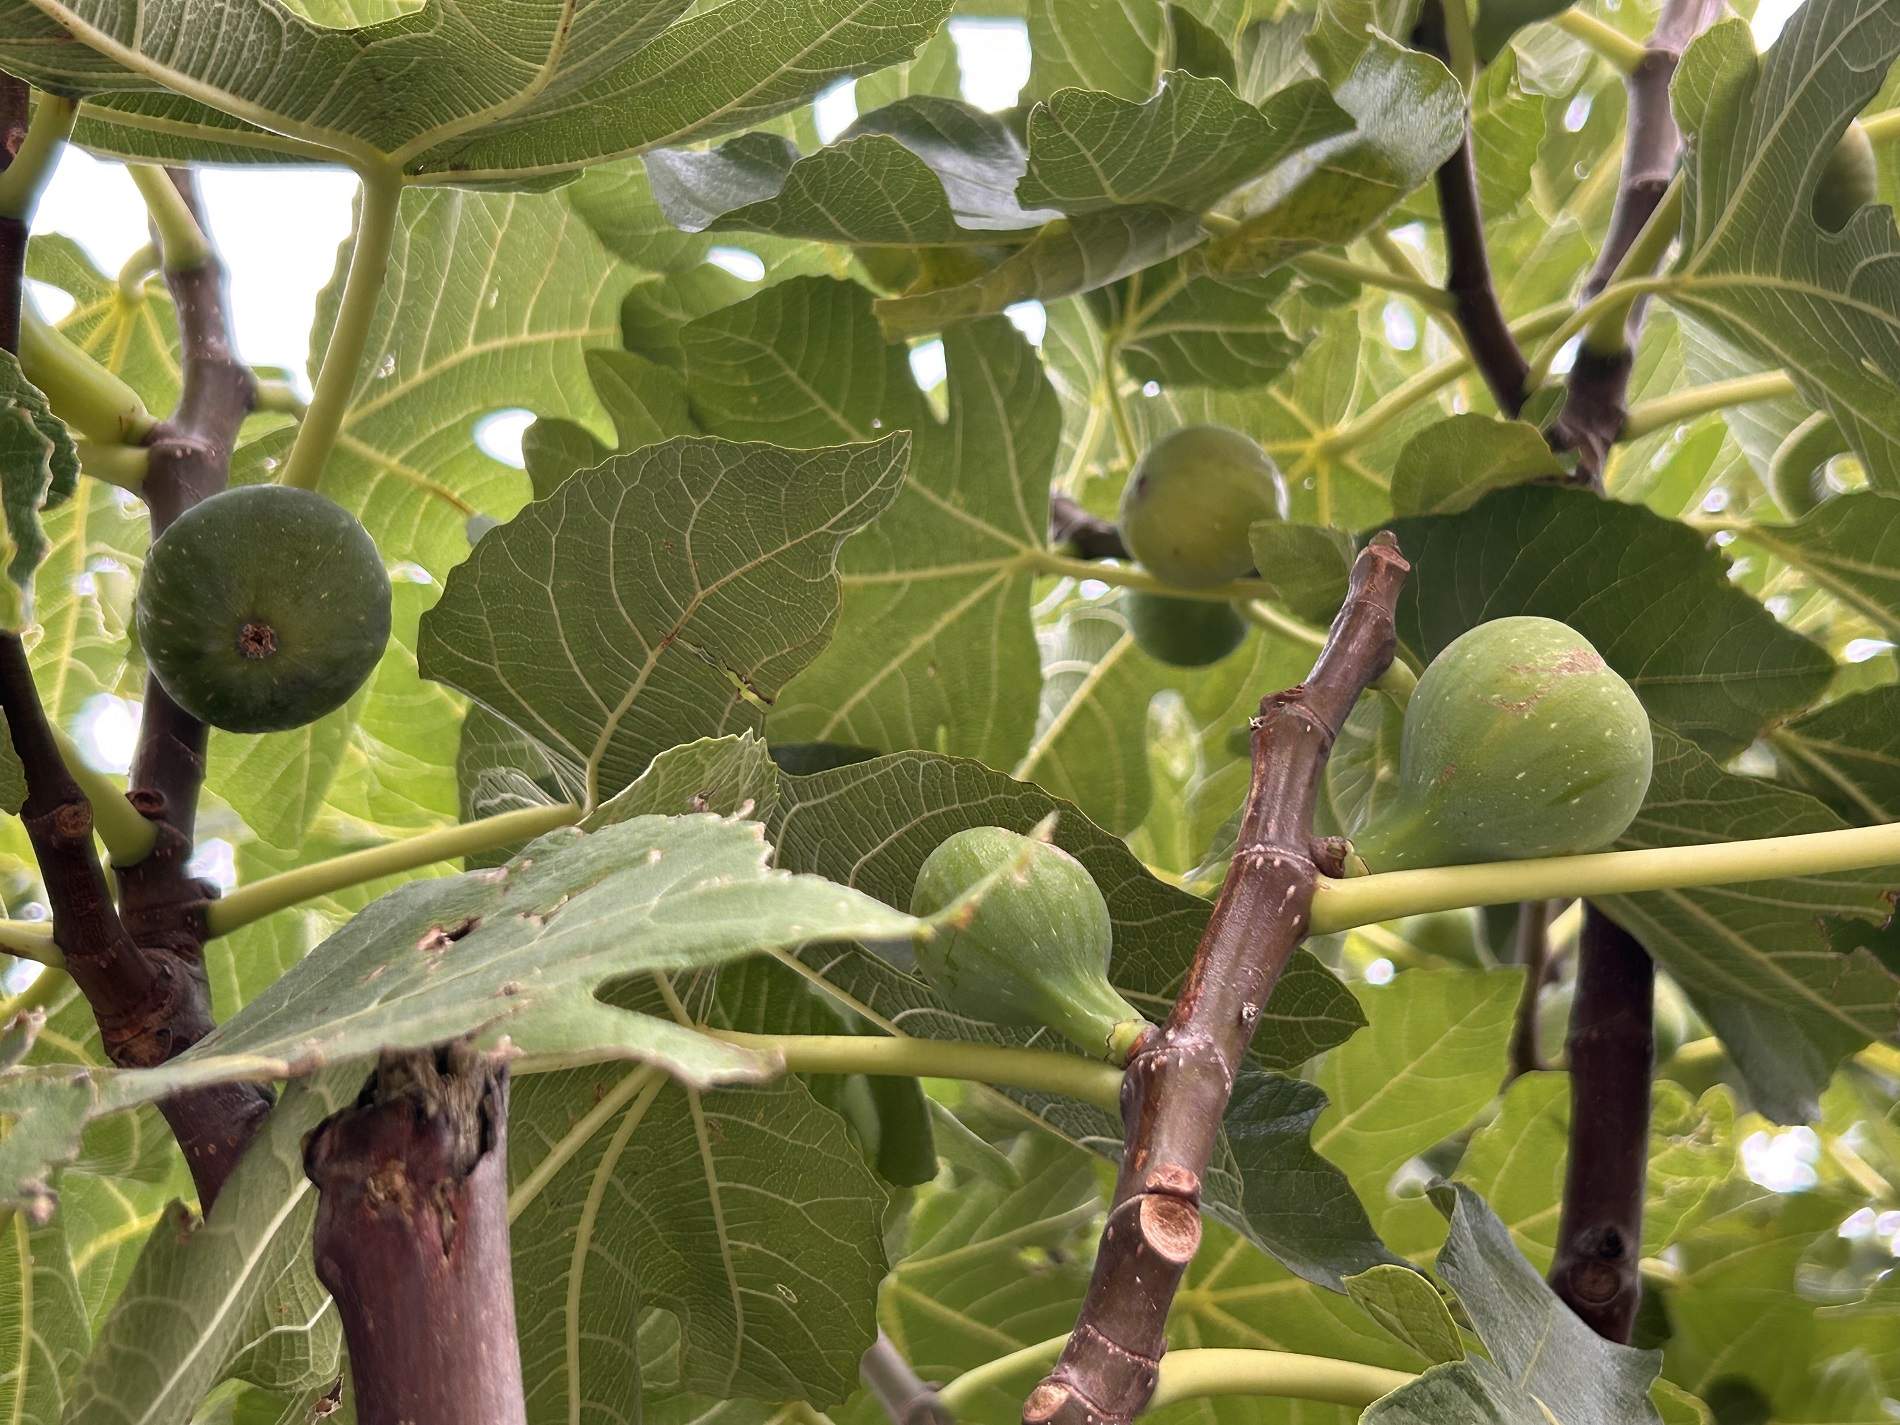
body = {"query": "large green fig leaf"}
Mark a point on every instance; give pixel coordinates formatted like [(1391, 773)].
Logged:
[(1849, 546), (464, 91), (933, 646), (44, 1334), (491, 303), (518, 951), (1847, 754), (660, 596), (1705, 658), (1755, 958), (1755, 265), (203, 1294)]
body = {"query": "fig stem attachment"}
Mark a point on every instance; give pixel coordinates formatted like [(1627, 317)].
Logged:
[(180, 239), (1607, 42), (31, 940), (127, 836), (1038, 1070), (1199, 1373), (275, 893), (1362, 900), (26, 176), (123, 465), (1596, 319), (343, 356)]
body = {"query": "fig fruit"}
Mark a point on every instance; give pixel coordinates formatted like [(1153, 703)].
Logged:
[(263, 608), (1190, 500), (1034, 948), (1519, 741), (1849, 181), (1188, 633)]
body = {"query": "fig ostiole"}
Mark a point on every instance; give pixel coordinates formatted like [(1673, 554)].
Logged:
[(1186, 633), (1029, 947), (1519, 741), (263, 608), (1190, 501)]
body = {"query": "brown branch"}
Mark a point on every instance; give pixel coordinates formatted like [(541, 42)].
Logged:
[(1177, 1083), (1088, 536), (1494, 351), (905, 1397), (1612, 1052), (1597, 399), (411, 1239), (1533, 953)]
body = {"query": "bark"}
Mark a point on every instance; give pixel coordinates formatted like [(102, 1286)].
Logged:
[(411, 1240), (1612, 1055), (1089, 536), (1177, 1083), (905, 1397), (1597, 399), (1494, 351)]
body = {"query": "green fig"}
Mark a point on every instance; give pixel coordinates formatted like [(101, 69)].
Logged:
[(1034, 948), (1188, 633), (1849, 181), (1190, 501), (263, 608), (1519, 741)]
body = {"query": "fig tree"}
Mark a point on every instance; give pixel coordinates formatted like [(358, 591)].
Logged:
[(1188, 633), (1033, 950), (263, 608), (1519, 741), (1849, 181), (1190, 500)]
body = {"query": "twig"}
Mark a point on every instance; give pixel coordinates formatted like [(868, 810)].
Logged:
[(1089, 536), (1468, 265), (1611, 1052), (1533, 946), (1593, 412), (1177, 1083), (907, 1399), (411, 1239)]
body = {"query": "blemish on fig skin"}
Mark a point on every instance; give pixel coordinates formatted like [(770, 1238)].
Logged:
[(257, 640)]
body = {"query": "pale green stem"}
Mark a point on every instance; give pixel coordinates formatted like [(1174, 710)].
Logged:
[(31, 940), (1607, 328), (38, 995), (1037, 1070), (127, 836), (1340, 905), (343, 357), (1129, 576), (1609, 43), (1117, 405), (1398, 682), (180, 239), (1410, 284), (92, 400), (1647, 416), (1611, 305), (1427, 383), (26, 176), (275, 893), (1882, 126), (280, 397), (1461, 54), (1193, 1374), (121, 465), (140, 266)]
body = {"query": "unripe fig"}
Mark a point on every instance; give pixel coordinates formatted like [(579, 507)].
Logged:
[(263, 608), (1519, 741), (1034, 949), (1189, 633), (1849, 181), (1190, 500)]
